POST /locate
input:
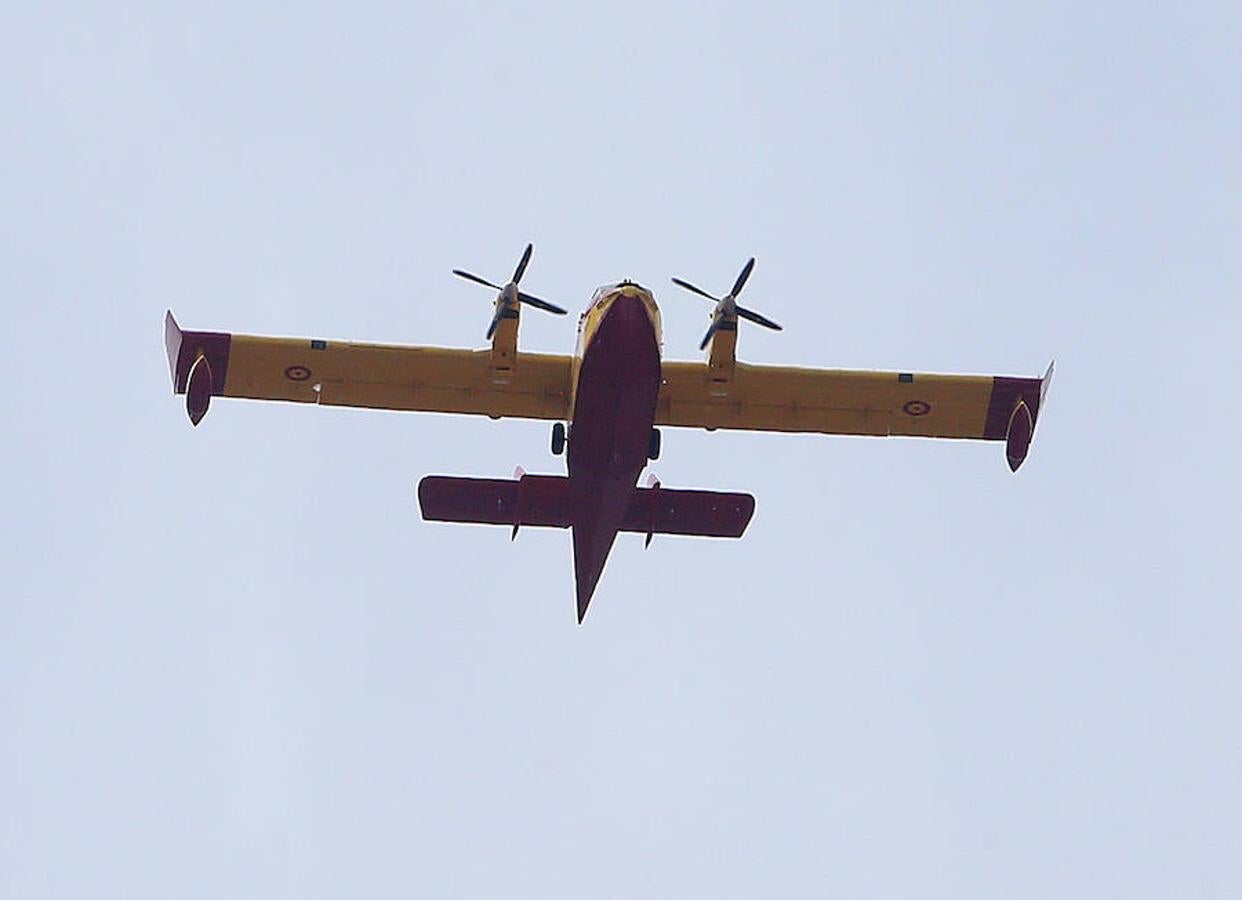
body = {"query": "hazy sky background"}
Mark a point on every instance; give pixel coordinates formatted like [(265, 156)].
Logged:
[(234, 662)]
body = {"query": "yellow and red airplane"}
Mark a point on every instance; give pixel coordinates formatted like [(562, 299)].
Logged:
[(606, 402)]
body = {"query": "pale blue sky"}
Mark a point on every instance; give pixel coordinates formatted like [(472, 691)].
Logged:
[(235, 662)]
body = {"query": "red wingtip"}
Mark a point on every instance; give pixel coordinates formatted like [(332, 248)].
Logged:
[(198, 362)]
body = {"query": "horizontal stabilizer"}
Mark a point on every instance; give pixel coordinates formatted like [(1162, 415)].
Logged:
[(658, 510), (539, 500), (543, 500)]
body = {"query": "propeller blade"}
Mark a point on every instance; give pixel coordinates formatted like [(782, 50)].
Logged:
[(757, 319), (491, 329), (702, 293), (475, 278), (541, 304), (742, 276), (710, 331), (521, 266)]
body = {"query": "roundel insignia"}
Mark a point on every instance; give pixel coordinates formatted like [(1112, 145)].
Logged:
[(916, 408), (297, 373)]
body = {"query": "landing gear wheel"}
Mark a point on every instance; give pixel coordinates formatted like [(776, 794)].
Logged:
[(653, 444), (558, 438)]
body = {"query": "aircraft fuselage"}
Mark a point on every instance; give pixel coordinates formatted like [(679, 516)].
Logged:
[(616, 387)]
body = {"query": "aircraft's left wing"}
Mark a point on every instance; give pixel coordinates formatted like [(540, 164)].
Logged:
[(838, 401), (206, 364)]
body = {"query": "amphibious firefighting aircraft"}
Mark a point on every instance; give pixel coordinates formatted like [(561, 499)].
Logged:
[(606, 402)]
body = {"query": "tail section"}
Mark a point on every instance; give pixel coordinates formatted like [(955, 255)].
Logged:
[(535, 500), (595, 512), (543, 501)]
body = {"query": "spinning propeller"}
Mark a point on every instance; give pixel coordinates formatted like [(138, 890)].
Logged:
[(726, 306), (510, 296)]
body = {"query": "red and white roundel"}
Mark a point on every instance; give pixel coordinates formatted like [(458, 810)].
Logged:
[(916, 408), (297, 373)]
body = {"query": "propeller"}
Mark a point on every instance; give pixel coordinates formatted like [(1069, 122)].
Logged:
[(509, 293), (726, 306)]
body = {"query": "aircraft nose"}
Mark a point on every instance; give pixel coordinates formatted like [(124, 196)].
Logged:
[(629, 313), (626, 304)]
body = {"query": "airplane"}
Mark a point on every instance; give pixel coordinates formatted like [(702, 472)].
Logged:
[(607, 402)]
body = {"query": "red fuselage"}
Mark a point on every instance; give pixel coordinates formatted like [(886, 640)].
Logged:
[(618, 384)]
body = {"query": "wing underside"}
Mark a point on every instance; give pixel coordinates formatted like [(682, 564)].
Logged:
[(838, 401), (374, 376), (538, 386)]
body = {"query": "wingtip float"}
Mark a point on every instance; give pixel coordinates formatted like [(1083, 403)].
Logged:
[(606, 404)]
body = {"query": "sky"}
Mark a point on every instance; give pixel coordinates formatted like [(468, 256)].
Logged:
[(235, 662)]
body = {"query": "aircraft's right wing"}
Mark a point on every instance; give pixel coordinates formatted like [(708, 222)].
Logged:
[(376, 376)]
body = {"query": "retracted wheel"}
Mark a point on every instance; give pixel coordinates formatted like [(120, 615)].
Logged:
[(653, 445), (558, 438)]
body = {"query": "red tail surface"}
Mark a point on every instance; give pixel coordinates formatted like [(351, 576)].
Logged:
[(543, 501)]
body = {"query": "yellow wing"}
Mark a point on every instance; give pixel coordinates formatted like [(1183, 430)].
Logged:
[(836, 401), (375, 376)]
